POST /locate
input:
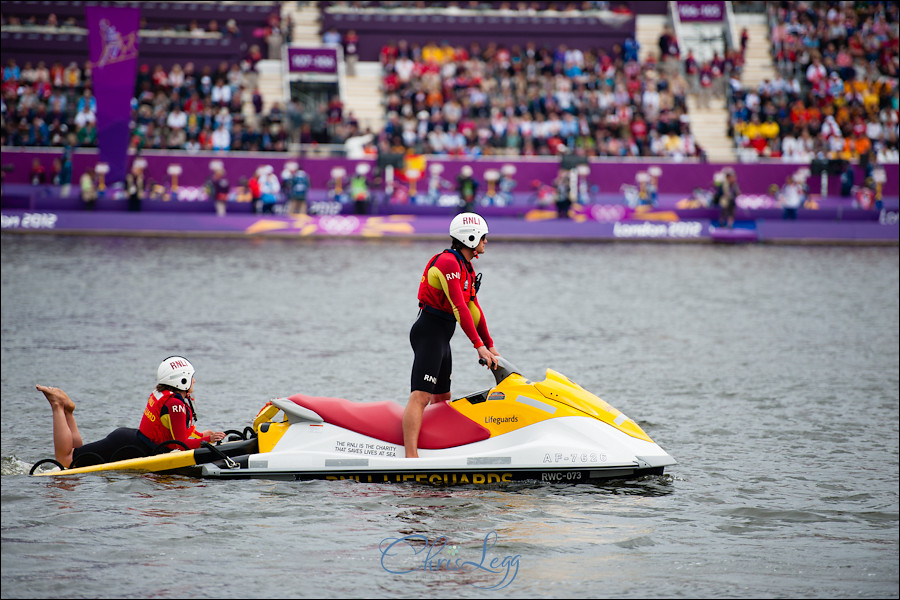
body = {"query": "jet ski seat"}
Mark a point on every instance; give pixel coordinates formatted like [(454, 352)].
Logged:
[(442, 425)]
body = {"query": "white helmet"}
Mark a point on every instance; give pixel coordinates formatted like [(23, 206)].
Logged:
[(468, 228), (175, 371)]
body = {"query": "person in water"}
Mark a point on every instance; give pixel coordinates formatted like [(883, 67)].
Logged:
[(447, 295), (169, 415)]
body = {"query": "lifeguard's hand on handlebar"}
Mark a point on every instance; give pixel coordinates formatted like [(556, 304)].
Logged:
[(214, 436), (488, 356)]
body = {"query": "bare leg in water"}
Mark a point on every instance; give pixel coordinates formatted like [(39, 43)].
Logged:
[(66, 436)]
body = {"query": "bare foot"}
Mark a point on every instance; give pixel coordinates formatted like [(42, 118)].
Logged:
[(57, 397)]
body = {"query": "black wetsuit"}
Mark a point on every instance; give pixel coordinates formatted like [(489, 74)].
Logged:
[(121, 444)]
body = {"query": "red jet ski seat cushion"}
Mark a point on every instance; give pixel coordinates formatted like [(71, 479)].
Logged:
[(442, 425)]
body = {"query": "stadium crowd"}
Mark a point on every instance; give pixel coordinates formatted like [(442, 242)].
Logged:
[(835, 92), (835, 95), (209, 108), (533, 100)]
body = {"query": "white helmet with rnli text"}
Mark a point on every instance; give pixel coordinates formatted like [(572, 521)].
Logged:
[(176, 372), (468, 228)]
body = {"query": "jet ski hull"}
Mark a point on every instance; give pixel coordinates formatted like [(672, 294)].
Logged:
[(571, 449)]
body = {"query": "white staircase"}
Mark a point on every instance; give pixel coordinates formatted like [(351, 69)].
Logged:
[(363, 96), (758, 63), (271, 83), (710, 129), (305, 19)]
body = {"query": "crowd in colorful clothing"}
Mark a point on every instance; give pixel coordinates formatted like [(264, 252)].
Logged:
[(835, 94)]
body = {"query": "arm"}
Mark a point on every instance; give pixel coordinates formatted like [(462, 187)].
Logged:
[(480, 323), (176, 417), (487, 352)]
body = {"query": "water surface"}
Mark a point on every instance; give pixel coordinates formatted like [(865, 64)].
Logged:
[(770, 373)]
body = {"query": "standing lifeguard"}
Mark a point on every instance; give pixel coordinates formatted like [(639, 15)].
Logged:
[(447, 295)]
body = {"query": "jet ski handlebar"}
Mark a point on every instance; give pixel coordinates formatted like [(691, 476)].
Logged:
[(503, 369)]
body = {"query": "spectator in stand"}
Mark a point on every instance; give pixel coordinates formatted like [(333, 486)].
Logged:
[(72, 76), (332, 37), (87, 135), (221, 138), (257, 100), (12, 72), (389, 53), (87, 101), (160, 78), (351, 52), (254, 55), (220, 95), (176, 79), (274, 36), (232, 30), (177, 122), (669, 52), (631, 48)]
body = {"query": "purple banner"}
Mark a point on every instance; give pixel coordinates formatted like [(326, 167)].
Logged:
[(113, 43), (608, 176), (323, 61), (701, 11)]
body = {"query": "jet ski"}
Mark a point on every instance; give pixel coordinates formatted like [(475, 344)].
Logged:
[(552, 430)]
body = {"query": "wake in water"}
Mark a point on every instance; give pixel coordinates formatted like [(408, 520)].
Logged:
[(14, 466)]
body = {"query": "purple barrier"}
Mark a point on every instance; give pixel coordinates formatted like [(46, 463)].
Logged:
[(413, 227), (174, 15), (163, 50), (786, 231), (377, 29), (608, 177), (608, 209), (154, 12), (637, 7)]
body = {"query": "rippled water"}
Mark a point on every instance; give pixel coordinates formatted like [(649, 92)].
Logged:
[(770, 374)]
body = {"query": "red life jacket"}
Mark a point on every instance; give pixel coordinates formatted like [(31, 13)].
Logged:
[(456, 295), (169, 416)]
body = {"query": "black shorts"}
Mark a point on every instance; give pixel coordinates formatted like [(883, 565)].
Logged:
[(121, 444), (430, 340)]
